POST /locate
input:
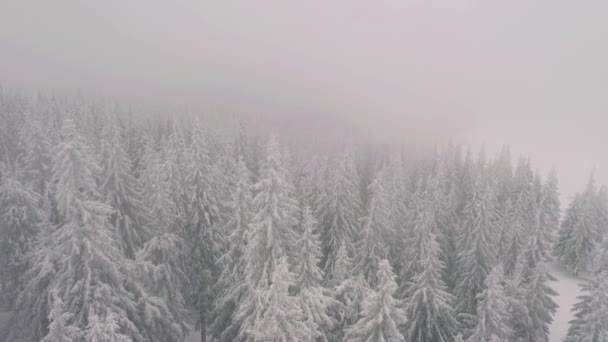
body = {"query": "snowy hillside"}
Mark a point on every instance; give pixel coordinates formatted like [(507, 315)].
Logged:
[(568, 288)]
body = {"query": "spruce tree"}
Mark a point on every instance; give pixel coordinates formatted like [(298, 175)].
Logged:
[(431, 317), (381, 315), (22, 220), (340, 211), (540, 304), (313, 298), (231, 285), (372, 246), (579, 233), (589, 323), (78, 261), (200, 221), (492, 314), (281, 317), (271, 236), (122, 193), (477, 242)]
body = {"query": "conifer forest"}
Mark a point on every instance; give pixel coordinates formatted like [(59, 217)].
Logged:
[(121, 226)]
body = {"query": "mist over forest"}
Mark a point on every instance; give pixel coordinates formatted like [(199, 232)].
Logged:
[(274, 171)]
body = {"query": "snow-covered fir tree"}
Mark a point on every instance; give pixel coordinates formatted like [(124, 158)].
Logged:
[(376, 230), (79, 261), (579, 233), (22, 219), (476, 243), (271, 236), (340, 211), (429, 307), (200, 221), (381, 316), (231, 284), (280, 318), (492, 314), (123, 193), (314, 299), (589, 323)]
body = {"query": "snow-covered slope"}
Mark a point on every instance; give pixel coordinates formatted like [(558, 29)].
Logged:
[(568, 288)]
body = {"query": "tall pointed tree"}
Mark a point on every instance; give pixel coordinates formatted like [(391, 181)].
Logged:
[(477, 241), (79, 261), (372, 246), (22, 220), (340, 211), (492, 314), (431, 316), (123, 193), (313, 298), (589, 323), (381, 316), (231, 285), (579, 233), (270, 237), (200, 221)]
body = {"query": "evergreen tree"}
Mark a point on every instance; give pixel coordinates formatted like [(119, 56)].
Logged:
[(314, 299), (200, 221), (122, 193), (589, 323), (492, 314), (59, 329), (231, 285), (431, 317), (381, 315), (159, 268), (579, 233), (540, 304), (79, 261), (372, 246), (22, 219), (270, 237), (280, 319), (477, 240), (340, 211)]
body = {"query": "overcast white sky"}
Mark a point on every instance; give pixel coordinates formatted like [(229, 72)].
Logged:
[(531, 74)]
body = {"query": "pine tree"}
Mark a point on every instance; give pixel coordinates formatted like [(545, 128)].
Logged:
[(59, 329), (589, 323), (540, 304), (200, 219), (477, 240), (231, 285), (78, 261), (38, 161), (313, 298), (340, 211), (381, 316), (281, 318), (431, 317), (375, 232), (159, 268), (122, 192), (579, 233), (22, 219), (492, 314), (270, 237), (351, 293), (342, 267)]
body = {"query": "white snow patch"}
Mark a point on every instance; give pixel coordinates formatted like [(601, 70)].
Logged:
[(568, 288)]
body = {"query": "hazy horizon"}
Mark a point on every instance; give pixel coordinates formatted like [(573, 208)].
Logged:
[(528, 75)]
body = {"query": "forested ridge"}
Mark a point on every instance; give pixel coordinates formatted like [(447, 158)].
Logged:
[(117, 226)]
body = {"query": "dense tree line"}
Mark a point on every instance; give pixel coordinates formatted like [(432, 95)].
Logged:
[(124, 227)]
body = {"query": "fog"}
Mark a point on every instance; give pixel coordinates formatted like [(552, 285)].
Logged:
[(532, 75)]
